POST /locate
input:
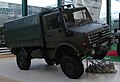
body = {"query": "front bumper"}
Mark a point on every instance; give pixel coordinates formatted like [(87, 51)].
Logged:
[(98, 49)]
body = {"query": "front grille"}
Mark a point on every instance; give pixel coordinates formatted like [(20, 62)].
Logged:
[(100, 36)]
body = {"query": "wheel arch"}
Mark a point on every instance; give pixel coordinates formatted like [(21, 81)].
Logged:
[(71, 47), (16, 50)]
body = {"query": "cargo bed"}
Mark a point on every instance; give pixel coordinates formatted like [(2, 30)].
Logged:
[(23, 32)]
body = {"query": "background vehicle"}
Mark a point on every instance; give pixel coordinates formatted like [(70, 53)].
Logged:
[(63, 36)]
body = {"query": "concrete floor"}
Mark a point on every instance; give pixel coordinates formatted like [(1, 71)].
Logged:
[(40, 72)]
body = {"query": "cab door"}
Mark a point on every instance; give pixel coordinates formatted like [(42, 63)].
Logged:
[(54, 34)]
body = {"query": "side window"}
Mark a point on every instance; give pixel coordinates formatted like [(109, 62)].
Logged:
[(52, 21)]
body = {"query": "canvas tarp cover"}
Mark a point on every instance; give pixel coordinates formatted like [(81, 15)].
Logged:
[(25, 31)]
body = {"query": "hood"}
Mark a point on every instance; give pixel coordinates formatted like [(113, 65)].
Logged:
[(88, 28)]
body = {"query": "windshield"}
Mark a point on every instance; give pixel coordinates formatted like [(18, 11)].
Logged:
[(77, 17)]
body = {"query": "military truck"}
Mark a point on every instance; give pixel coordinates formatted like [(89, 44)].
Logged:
[(64, 36)]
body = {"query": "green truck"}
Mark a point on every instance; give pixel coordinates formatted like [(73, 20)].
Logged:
[(64, 36)]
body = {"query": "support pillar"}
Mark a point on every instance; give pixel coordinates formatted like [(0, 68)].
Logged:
[(119, 21), (108, 10), (24, 8), (59, 3)]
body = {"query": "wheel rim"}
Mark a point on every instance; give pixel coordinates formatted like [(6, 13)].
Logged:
[(21, 61), (69, 67)]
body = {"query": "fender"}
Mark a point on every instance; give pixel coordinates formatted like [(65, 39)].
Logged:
[(16, 50), (75, 47)]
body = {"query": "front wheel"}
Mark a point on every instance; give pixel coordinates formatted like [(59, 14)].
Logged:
[(23, 61), (71, 67)]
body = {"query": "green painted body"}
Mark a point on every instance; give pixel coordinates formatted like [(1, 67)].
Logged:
[(53, 31), (22, 33)]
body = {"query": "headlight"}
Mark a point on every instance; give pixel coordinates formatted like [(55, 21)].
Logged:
[(93, 51), (94, 45)]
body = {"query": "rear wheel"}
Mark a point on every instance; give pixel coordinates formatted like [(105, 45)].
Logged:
[(71, 67), (23, 61), (118, 48)]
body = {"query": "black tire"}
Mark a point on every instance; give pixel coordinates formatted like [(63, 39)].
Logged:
[(23, 61), (118, 48), (71, 67), (49, 61), (100, 55)]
